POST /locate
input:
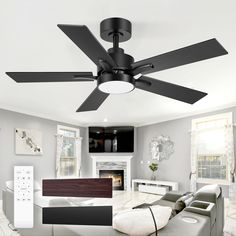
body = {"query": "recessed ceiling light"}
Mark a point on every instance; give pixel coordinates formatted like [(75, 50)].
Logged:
[(105, 119)]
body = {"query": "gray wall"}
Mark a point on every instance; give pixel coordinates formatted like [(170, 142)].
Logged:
[(178, 167), (45, 164)]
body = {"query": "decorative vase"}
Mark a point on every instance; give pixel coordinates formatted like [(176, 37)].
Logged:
[(153, 177)]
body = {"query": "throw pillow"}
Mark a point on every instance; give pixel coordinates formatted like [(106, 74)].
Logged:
[(182, 202), (139, 222)]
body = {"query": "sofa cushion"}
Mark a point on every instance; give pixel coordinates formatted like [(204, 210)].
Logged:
[(162, 202), (172, 196), (140, 221)]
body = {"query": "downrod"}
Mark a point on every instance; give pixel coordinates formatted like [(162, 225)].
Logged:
[(116, 41)]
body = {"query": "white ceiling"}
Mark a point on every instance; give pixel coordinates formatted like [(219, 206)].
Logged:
[(31, 41)]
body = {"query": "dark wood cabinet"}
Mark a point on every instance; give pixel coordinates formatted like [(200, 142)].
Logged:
[(91, 187), (86, 215)]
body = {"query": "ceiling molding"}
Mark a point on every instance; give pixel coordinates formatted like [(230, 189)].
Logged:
[(203, 112)]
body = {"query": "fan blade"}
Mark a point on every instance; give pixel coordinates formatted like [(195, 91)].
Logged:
[(196, 52), (31, 77), (85, 40), (94, 101), (174, 91)]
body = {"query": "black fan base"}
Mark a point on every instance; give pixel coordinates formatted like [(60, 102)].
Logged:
[(111, 26), (107, 77)]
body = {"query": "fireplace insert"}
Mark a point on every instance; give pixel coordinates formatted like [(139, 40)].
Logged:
[(117, 178)]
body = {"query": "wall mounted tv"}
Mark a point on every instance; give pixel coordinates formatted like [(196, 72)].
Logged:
[(111, 139)]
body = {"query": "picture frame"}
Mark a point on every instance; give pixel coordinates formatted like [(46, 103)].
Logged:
[(28, 142)]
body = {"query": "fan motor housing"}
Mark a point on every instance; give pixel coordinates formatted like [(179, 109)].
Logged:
[(123, 60)]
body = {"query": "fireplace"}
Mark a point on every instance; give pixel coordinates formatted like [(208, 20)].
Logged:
[(117, 177), (113, 162)]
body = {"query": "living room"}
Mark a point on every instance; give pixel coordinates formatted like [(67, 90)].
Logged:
[(156, 156)]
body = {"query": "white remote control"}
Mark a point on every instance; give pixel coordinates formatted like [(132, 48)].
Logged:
[(23, 196)]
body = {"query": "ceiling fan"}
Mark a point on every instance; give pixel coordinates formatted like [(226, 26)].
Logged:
[(117, 72)]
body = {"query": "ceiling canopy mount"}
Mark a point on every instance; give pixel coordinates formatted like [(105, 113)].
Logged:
[(115, 28)]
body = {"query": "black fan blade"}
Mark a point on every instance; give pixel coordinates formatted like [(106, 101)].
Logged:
[(36, 77), (85, 40), (94, 101), (174, 91), (196, 52)]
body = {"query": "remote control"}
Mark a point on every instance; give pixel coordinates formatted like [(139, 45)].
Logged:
[(23, 196)]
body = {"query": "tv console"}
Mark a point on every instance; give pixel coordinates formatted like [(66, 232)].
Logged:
[(154, 186)]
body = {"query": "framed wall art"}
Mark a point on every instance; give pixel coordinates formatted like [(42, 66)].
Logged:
[(28, 142)]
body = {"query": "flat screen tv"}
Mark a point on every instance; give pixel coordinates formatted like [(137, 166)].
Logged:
[(111, 139)]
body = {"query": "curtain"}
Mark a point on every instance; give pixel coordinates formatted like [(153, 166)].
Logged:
[(78, 154), (229, 152), (193, 173), (59, 146)]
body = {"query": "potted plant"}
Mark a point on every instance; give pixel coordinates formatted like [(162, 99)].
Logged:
[(153, 167)]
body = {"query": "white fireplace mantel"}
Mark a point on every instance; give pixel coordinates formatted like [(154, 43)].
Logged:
[(115, 158)]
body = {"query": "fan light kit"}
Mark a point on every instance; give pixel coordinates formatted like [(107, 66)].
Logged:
[(117, 71), (116, 87)]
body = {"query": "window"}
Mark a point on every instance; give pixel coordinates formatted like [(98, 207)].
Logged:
[(211, 144), (68, 152), (212, 167)]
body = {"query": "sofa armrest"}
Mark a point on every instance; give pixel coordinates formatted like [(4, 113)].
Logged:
[(177, 226), (172, 196), (206, 197), (203, 208)]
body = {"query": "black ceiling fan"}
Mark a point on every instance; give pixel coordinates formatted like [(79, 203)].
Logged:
[(117, 72)]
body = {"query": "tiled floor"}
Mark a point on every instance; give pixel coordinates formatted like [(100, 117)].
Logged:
[(230, 219), (230, 222)]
